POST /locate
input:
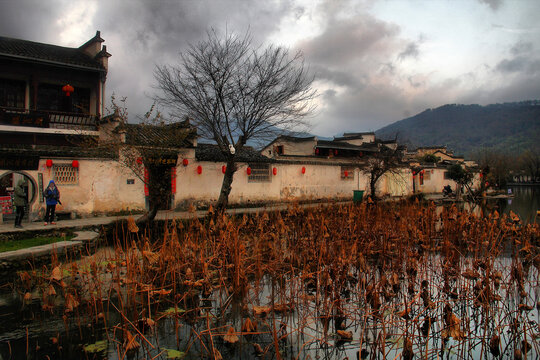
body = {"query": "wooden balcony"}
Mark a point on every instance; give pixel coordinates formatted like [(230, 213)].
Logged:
[(47, 119)]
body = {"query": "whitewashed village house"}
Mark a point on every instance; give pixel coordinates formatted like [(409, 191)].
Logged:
[(52, 105), (430, 169)]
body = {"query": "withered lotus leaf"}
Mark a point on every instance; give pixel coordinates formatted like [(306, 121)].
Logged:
[(494, 345), (71, 303), (231, 336), (345, 335), (151, 257), (261, 310), (56, 274), (249, 326), (130, 341)]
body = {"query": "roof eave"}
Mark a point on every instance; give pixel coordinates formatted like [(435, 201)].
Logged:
[(52, 62)]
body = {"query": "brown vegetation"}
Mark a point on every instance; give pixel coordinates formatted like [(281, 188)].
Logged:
[(384, 280)]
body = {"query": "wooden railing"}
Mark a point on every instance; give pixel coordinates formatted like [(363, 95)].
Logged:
[(47, 119)]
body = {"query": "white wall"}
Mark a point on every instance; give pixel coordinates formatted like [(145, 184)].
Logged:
[(437, 182), (103, 185)]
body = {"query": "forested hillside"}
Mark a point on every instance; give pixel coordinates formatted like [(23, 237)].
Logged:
[(510, 127)]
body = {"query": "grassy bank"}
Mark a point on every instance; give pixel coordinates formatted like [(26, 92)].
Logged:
[(10, 245)]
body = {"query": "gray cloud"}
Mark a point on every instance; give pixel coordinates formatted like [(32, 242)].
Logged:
[(522, 47), (411, 51), (339, 77), (31, 20), (346, 41), (140, 34), (493, 4), (362, 63), (519, 64)]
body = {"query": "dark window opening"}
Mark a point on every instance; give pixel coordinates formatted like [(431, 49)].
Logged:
[(12, 93), (279, 150), (347, 173), (51, 97), (259, 173)]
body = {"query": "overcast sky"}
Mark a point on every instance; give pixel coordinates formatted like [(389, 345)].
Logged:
[(375, 62)]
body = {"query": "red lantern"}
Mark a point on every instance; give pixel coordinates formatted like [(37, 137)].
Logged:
[(75, 163), (139, 160), (303, 169), (199, 169), (274, 171), (346, 173), (317, 151), (223, 169), (185, 162), (48, 162), (248, 171), (335, 152), (68, 89)]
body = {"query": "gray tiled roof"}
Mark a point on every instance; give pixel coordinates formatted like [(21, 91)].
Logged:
[(211, 152), (176, 135), (29, 50), (344, 146), (56, 151)]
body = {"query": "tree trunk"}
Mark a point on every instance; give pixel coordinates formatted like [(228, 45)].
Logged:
[(458, 191), (226, 186), (157, 191), (149, 216), (373, 186)]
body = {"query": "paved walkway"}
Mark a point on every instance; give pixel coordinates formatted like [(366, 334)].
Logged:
[(162, 215)]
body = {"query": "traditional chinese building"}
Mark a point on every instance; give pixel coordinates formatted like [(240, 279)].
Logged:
[(51, 99)]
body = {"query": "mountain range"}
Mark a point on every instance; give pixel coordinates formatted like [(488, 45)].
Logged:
[(510, 127)]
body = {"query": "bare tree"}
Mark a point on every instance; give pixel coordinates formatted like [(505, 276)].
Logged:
[(496, 164), (388, 160), (235, 93), (529, 164), (463, 178)]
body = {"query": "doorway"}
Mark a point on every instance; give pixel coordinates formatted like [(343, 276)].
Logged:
[(8, 182)]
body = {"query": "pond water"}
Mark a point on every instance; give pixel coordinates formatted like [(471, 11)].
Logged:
[(417, 283), (525, 203)]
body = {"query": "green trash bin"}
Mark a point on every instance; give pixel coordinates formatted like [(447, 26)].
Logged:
[(358, 195)]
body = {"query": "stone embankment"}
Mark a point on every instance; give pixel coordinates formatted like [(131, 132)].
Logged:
[(33, 257)]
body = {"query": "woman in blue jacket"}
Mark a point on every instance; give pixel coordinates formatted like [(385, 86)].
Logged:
[(52, 197)]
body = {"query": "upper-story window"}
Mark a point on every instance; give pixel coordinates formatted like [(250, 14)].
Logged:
[(12, 93), (51, 97), (278, 149)]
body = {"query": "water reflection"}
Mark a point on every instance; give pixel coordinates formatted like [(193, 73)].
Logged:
[(521, 200), (525, 203)]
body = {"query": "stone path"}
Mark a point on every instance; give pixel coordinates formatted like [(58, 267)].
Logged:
[(162, 215)]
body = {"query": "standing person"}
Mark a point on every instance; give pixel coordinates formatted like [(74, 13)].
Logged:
[(19, 201), (52, 197)]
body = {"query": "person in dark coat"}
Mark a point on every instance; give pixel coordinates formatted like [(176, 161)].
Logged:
[(20, 198), (52, 197)]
